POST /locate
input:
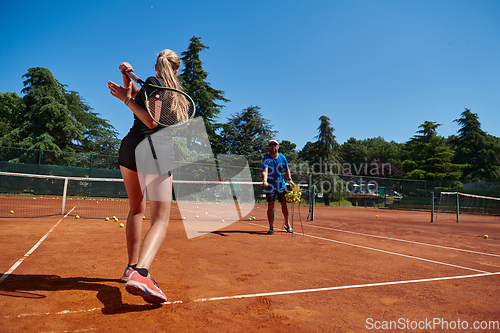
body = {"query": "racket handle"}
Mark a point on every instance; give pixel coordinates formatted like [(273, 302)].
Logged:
[(134, 77)]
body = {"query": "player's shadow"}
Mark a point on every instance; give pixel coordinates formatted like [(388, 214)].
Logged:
[(225, 232), (27, 286)]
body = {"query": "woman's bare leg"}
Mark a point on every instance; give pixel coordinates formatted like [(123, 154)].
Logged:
[(160, 193), (137, 203)]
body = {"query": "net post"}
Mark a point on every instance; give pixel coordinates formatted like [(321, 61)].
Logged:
[(312, 197), (65, 192), (458, 206), (432, 206)]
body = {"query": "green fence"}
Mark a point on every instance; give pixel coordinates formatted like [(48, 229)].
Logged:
[(331, 189)]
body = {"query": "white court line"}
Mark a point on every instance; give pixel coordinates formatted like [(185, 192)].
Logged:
[(288, 292), (344, 287), (404, 240), (20, 261), (388, 252)]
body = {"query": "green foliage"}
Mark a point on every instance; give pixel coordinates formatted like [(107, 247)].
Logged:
[(10, 111), (327, 151), (476, 149), (429, 158), (288, 149), (247, 133), (49, 117), (193, 80)]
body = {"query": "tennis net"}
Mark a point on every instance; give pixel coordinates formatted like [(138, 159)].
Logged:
[(31, 195)]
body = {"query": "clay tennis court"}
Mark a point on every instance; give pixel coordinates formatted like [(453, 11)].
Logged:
[(351, 271)]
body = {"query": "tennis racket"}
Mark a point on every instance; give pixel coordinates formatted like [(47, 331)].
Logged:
[(168, 107)]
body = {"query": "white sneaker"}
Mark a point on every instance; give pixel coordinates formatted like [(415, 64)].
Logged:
[(288, 229)]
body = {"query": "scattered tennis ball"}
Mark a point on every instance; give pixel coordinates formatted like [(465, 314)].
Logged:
[(249, 219), (107, 219), (486, 236), (114, 217), (266, 184), (144, 217), (196, 216), (223, 220), (183, 217), (77, 217), (122, 225), (12, 212), (376, 215), (254, 217)]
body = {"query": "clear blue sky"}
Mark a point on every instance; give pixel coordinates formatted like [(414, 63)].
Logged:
[(375, 68)]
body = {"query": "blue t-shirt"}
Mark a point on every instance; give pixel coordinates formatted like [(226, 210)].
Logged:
[(275, 171)]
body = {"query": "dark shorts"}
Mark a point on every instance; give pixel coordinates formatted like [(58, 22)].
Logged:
[(126, 154), (271, 197)]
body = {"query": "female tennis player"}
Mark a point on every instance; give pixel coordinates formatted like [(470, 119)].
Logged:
[(140, 259)]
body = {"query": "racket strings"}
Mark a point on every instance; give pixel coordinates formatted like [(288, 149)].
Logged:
[(169, 107)]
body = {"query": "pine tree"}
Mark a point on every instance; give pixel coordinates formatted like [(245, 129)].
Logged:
[(327, 155), (429, 158), (193, 80), (247, 133), (53, 118)]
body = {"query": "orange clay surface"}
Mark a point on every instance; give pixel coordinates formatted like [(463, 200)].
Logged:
[(349, 271)]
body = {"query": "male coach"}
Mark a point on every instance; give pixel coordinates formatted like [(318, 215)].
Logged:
[(274, 166)]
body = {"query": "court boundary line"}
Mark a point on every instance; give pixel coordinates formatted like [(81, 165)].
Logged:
[(405, 241), (27, 254), (278, 293), (385, 251)]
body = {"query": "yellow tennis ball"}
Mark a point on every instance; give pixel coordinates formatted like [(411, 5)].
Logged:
[(376, 215), (254, 217), (77, 217), (486, 236), (12, 212), (266, 184), (249, 219), (121, 225), (183, 217), (223, 220), (107, 218)]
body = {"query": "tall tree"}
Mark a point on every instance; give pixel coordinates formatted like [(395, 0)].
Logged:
[(99, 136), (429, 158), (53, 118), (206, 98), (327, 156), (247, 133), (10, 111), (476, 149)]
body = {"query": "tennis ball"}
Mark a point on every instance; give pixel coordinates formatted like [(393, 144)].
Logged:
[(196, 216), (249, 219), (376, 215), (107, 218), (223, 220), (77, 217), (121, 225), (12, 212), (144, 217), (254, 217), (183, 217), (486, 236), (266, 184), (114, 217)]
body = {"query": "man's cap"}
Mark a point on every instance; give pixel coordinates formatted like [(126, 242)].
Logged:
[(274, 141)]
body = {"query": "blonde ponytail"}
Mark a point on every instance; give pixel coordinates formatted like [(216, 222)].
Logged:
[(166, 64)]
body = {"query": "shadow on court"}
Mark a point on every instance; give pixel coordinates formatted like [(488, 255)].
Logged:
[(224, 232), (27, 286)]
